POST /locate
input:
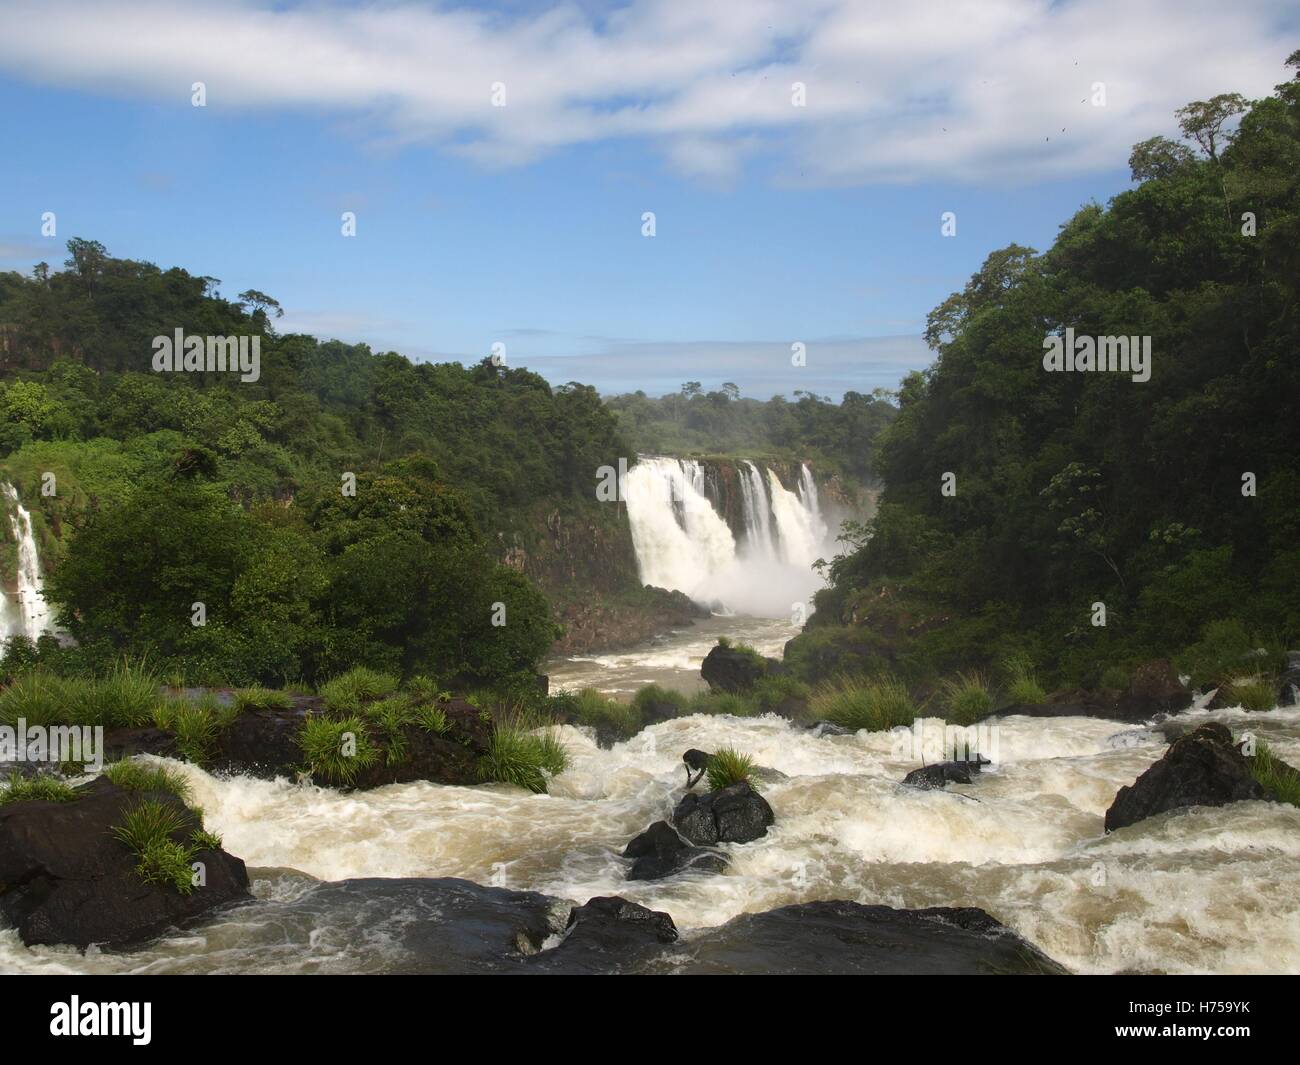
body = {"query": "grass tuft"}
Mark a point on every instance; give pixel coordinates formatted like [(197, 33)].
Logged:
[(1021, 681), (147, 829), (967, 697), (1255, 695), (262, 699), (37, 789), (136, 775), (728, 766), (523, 757), (1278, 778), (337, 750), (872, 703), (346, 692)]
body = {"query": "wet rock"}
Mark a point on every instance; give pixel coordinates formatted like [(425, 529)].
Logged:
[(1202, 768), (941, 774), (614, 922), (731, 669), (660, 851), (1154, 689), (846, 937), (734, 814), (65, 879)]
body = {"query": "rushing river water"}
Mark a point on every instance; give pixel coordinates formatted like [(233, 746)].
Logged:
[(1207, 890)]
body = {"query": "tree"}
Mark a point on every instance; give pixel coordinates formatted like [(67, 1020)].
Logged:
[(261, 302), (1158, 157), (1202, 120)]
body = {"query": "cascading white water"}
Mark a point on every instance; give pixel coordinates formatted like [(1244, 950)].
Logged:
[(26, 613), (683, 543)]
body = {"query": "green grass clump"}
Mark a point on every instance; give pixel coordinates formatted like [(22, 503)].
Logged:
[(148, 829), (717, 703), (657, 694), (967, 697), (597, 710), (196, 724), (424, 689), (39, 698), (871, 703), (136, 775), (206, 841), (1021, 681), (391, 716), (262, 699), (38, 789), (728, 766), (1274, 775), (432, 718), (346, 692), (522, 757), (126, 698), (1256, 695), (337, 750), (771, 691)]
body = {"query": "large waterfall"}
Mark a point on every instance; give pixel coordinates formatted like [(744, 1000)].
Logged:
[(760, 563), (25, 612)]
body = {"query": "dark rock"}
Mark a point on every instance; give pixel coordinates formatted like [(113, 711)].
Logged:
[(846, 937), (735, 814), (660, 851), (941, 774), (613, 921), (1202, 768), (1154, 689), (730, 669), (64, 877)]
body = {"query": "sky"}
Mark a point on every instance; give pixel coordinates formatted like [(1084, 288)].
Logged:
[(500, 161)]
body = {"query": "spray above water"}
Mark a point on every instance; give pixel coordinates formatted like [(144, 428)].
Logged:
[(683, 540)]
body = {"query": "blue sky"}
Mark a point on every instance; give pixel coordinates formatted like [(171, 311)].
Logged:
[(476, 225)]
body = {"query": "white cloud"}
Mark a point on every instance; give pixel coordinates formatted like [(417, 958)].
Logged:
[(979, 90)]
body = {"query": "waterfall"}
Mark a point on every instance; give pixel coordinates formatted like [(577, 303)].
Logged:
[(683, 542), (26, 613)]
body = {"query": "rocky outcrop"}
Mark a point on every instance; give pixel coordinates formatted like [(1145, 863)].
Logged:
[(660, 851), (1154, 690), (66, 879), (734, 669), (613, 922), (1202, 768), (734, 814)]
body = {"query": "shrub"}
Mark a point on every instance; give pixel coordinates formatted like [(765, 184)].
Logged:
[(1218, 655), (1114, 678), (147, 829), (136, 775), (1282, 781), (1257, 695), (872, 703), (967, 697), (524, 758), (262, 699), (38, 789), (728, 766), (325, 746), (346, 692)]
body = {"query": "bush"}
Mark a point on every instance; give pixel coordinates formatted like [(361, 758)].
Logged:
[(337, 750), (1218, 656), (136, 775), (38, 789), (728, 766), (346, 692), (874, 703), (147, 830), (1282, 781), (967, 697), (524, 758)]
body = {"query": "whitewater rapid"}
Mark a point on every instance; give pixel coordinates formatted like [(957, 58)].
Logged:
[(1206, 890)]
